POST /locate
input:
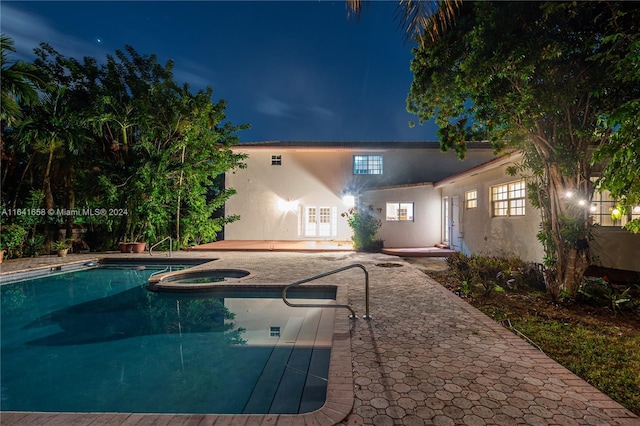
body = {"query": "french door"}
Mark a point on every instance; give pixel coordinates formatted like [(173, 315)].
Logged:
[(320, 221)]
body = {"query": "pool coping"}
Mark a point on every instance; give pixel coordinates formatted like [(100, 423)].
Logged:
[(72, 265), (338, 404), (41, 271)]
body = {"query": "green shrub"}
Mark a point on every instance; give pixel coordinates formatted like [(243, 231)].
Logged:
[(600, 292), (12, 238), (491, 272), (365, 225)]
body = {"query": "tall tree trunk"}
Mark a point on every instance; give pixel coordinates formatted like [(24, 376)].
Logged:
[(22, 177), (46, 184), (568, 225), (71, 199), (179, 193)]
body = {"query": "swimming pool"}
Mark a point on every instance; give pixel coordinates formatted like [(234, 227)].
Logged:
[(97, 341)]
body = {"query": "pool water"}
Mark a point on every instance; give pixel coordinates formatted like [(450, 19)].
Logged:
[(97, 341)]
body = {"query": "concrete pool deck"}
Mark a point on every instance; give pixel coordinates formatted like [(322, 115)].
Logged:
[(426, 357)]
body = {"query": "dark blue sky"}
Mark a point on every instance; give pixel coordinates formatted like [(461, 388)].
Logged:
[(293, 70)]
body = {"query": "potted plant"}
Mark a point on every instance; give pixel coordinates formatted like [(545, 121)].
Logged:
[(62, 247)]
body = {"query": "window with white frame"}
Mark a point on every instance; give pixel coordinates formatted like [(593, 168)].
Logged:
[(508, 199), (471, 199), (367, 164), (605, 210), (276, 160), (400, 211)]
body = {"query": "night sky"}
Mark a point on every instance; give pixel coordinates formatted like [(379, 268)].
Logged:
[(293, 70)]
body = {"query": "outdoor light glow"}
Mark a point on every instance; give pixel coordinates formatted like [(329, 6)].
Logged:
[(636, 209), (582, 202), (593, 208), (568, 194), (615, 212), (287, 206), (349, 201)]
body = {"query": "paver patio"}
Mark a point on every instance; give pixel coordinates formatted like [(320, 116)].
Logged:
[(426, 357)]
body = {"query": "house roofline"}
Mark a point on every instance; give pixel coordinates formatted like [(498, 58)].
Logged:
[(489, 165), (399, 186), (333, 145)]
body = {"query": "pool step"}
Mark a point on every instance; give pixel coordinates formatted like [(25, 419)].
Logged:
[(314, 394), (267, 385), (284, 386)]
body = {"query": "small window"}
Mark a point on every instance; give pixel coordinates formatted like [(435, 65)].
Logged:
[(471, 199), (399, 211), (508, 199), (367, 164), (274, 331), (276, 160)]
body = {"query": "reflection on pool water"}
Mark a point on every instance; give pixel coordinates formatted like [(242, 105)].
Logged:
[(96, 340)]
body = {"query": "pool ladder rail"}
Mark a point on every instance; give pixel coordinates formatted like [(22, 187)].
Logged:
[(317, 305), (160, 242)]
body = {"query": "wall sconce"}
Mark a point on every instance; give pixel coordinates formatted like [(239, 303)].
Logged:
[(287, 206), (349, 200)]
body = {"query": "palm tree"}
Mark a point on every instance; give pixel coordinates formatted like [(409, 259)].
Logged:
[(19, 83), (420, 18), (52, 130)]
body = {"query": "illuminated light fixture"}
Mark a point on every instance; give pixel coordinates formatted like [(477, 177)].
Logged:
[(349, 201), (593, 208), (636, 209), (568, 194), (582, 202), (615, 212), (287, 206)]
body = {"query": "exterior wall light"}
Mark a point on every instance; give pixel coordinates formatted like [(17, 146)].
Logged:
[(349, 201), (636, 209), (287, 206)]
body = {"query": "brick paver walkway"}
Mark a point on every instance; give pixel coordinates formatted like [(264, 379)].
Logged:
[(426, 357)]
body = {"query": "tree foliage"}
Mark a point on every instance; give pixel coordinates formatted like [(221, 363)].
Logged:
[(531, 76), (124, 139)]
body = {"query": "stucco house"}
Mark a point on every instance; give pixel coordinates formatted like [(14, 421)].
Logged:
[(298, 190)]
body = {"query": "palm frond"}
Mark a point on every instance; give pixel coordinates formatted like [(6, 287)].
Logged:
[(420, 20)]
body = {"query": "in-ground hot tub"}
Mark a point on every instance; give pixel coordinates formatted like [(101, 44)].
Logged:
[(186, 281)]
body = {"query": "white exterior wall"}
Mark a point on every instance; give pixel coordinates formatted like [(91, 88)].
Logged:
[(481, 233), (319, 176), (423, 231), (612, 247), (303, 179)]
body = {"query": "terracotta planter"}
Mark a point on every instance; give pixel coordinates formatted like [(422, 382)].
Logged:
[(1, 255), (137, 247), (63, 252), (134, 247)]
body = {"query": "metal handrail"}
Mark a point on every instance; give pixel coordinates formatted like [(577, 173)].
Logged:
[(160, 242), (317, 305), (160, 272)]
